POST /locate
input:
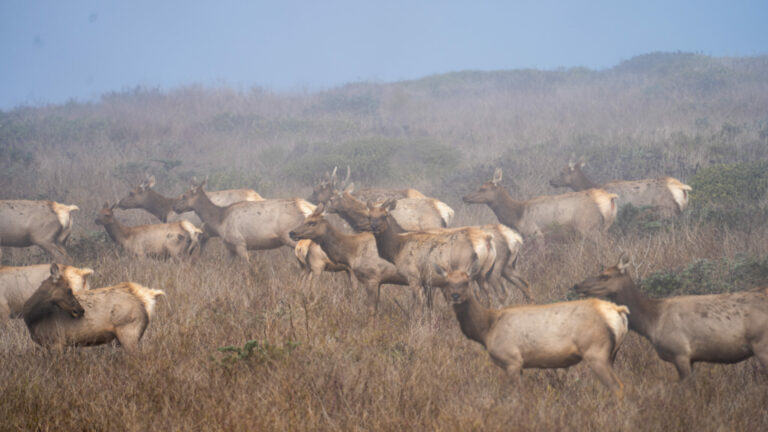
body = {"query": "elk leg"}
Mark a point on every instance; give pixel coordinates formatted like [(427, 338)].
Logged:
[(683, 365), (602, 368), (761, 352), (128, 337), (520, 284), (5, 312), (56, 251)]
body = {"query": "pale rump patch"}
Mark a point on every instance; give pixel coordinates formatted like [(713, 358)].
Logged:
[(413, 193), (679, 192), (63, 213), (253, 196), (482, 243), (446, 212), (147, 296), (77, 277), (190, 228), (305, 207), (302, 250), (606, 202), (615, 316), (511, 237)]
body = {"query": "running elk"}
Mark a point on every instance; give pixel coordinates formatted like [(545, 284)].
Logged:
[(414, 253), (174, 239), (144, 197), (57, 317), (355, 251), (247, 224), (17, 284), (716, 328), (586, 211), (666, 194), (556, 335), (47, 224)]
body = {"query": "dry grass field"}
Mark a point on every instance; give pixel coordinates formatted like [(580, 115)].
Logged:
[(235, 349)]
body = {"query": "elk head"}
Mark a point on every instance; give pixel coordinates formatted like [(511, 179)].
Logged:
[(456, 287), (314, 226), (188, 200), (138, 196), (571, 175), (609, 282), (378, 215), (60, 292), (486, 193), (105, 216)]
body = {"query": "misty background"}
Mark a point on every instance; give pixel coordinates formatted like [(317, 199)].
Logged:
[(55, 52)]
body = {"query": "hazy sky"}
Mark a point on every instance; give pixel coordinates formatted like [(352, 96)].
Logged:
[(52, 51)]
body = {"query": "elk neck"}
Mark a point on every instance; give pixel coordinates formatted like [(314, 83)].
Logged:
[(158, 205), (39, 306), (117, 231), (389, 241), (338, 246), (475, 320), (508, 211), (209, 212), (643, 311), (355, 213), (581, 181)]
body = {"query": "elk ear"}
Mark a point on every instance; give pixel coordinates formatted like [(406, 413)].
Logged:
[(370, 205), (623, 263), (350, 187), (389, 204), (439, 270), (319, 210), (571, 165), (474, 267), (55, 272), (150, 182), (496, 177), (582, 162)]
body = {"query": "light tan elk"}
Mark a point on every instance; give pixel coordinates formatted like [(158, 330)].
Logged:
[(556, 335), (57, 317), (247, 224), (413, 214), (174, 239), (144, 197), (586, 211), (17, 284), (666, 194), (355, 251), (414, 253), (506, 241), (718, 328), (47, 224)]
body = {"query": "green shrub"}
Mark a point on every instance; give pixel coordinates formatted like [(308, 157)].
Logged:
[(637, 220)]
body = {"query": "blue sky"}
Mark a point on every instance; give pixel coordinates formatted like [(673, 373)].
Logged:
[(53, 51)]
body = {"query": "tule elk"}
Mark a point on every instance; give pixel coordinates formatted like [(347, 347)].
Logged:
[(556, 335), (587, 211), (58, 317), (717, 328), (17, 284), (47, 224), (666, 194)]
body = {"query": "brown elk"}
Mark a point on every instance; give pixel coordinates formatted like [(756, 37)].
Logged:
[(47, 224), (414, 253), (586, 211), (429, 216), (355, 251), (247, 224), (556, 335), (144, 197), (57, 317), (717, 328), (666, 194), (17, 284), (174, 239), (413, 214)]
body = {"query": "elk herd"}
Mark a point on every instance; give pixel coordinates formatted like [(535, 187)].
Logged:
[(398, 237)]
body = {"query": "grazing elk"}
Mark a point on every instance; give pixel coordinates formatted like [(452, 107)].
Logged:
[(586, 211), (47, 224), (556, 335), (430, 216), (17, 284), (174, 239), (247, 224), (56, 316), (717, 328), (666, 194), (414, 253), (413, 214), (144, 197), (354, 251)]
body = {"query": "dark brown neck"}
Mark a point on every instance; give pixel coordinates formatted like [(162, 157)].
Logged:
[(38, 307), (355, 213), (388, 241), (474, 319), (339, 247), (644, 311), (508, 211), (581, 182), (117, 232), (209, 212), (158, 205)]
